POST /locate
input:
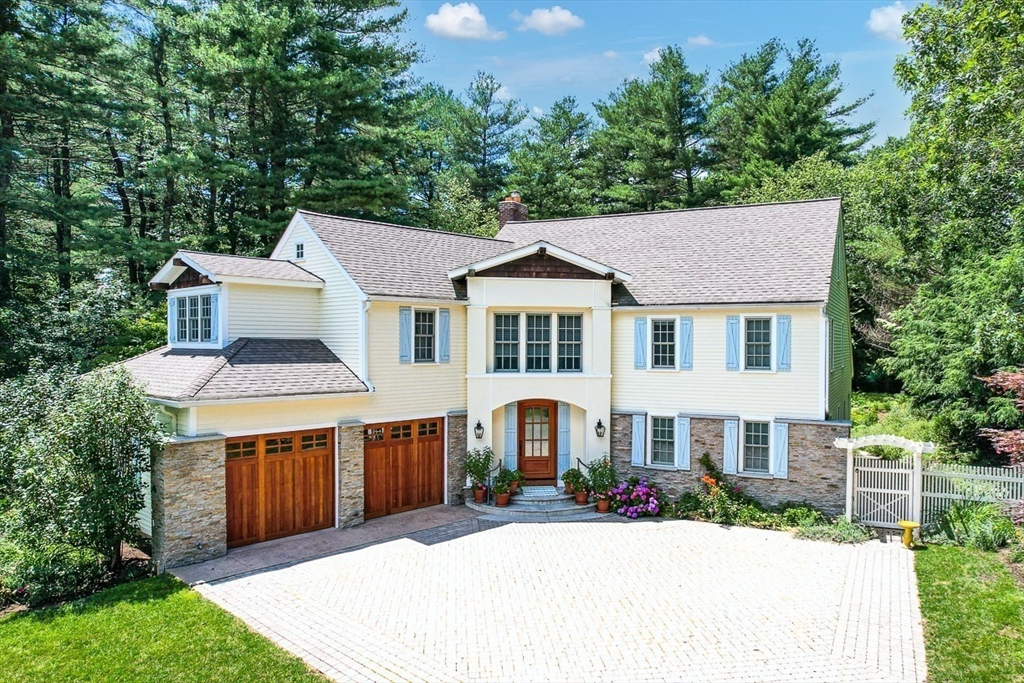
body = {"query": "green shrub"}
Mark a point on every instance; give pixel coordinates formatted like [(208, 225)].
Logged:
[(1016, 553), (35, 576), (478, 464), (974, 524), (836, 531)]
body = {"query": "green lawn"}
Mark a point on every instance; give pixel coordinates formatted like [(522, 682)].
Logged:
[(973, 616), (151, 630)]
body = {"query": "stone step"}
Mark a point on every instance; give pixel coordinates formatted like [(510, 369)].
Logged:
[(519, 500), (551, 509)]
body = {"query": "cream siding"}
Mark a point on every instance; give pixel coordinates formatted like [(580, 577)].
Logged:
[(402, 390), (340, 305), (708, 388), (275, 312)]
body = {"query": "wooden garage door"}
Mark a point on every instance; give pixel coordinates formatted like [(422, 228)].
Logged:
[(404, 467), (279, 485)]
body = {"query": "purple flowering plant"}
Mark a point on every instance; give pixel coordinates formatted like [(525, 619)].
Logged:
[(636, 498)]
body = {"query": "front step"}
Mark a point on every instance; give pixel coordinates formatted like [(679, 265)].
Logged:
[(520, 507)]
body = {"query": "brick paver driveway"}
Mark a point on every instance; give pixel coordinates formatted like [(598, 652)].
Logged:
[(595, 601)]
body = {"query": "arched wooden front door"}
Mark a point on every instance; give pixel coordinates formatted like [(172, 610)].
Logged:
[(538, 438)]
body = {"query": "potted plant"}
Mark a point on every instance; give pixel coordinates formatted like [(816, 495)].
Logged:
[(518, 479), (501, 493), (576, 484), (570, 479), (478, 466), (602, 480)]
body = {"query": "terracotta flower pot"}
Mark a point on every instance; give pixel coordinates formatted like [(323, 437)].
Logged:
[(513, 487), (479, 494), (582, 497), (603, 505), (501, 499)]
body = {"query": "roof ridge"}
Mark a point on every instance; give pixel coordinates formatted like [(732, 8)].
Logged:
[(254, 258), (663, 211), (203, 379), (404, 227)]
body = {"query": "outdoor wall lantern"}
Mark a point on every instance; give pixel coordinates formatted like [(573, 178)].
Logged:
[(479, 430), (599, 428)]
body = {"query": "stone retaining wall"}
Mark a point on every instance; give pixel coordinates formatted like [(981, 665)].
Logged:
[(817, 470), (189, 502), (457, 443)]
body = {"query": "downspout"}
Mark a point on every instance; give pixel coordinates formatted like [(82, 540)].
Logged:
[(172, 419), (364, 345)]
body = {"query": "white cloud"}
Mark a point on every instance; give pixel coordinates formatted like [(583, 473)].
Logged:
[(609, 54), (700, 41), (463, 21), (503, 93), (550, 22), (887, 22), (537, 112), (652, 56)]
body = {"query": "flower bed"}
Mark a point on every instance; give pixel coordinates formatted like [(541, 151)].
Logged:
[(636, 498)]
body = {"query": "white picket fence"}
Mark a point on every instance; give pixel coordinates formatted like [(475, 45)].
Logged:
[(881, 492)]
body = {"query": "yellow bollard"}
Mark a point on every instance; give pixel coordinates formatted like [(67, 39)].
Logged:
[(908, 532)]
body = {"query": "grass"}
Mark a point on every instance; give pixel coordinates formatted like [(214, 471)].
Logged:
[(151, 630), (973, 616)]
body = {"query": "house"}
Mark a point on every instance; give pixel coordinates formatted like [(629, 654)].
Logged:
[(345, 377)]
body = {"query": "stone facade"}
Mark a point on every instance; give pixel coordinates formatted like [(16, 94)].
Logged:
[(458, 439), (351, 495), (817, 470), (189, 503)]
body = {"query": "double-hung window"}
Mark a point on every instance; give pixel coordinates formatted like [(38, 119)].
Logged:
[(506, 342), (423, 337), (755, 446), (663, 344), (195, 318), (570, 343), (758, 344), (538, 343), (663, 440)]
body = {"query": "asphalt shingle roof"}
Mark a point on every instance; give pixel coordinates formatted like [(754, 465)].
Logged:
[(247, 368), (756, 253), (227, 265), (393, 260)]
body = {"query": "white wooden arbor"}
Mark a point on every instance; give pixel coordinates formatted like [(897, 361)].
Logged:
[(916, 448)]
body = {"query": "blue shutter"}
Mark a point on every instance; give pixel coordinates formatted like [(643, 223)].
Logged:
[(732, 342), (729, 447), (782, 330), (511, 437), (214, 317), (404, 334), (444, 334), (640, 343), (563, 438), (682, 443), (172, 319), (639, 440), (781, 450), (686, 343)]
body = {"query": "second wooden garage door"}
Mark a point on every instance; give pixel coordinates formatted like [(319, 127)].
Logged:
[(404, 467), (279, 485)]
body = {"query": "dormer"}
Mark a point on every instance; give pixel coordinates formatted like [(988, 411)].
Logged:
[(198, 285)]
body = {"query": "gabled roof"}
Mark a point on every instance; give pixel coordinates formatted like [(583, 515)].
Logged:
[(540, 248), (247, 368), (756, 253), (229, 268), (399, 261)]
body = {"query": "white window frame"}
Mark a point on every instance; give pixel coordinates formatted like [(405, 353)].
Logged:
[(222, 319), (741, 443), (774, 343), (300, 251), (552, 336), (520, 343), (557, 355), (674, 319), (649, 454), (552, 343), (412, 344)]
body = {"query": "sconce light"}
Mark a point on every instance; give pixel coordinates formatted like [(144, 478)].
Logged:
[(479, 430), (599, 428)]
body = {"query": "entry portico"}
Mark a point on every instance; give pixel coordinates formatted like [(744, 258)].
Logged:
[(539, 358)]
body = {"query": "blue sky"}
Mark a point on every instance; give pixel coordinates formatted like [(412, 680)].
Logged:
[(542, 51)]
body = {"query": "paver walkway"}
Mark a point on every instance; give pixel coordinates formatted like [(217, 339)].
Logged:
[(586, 601)]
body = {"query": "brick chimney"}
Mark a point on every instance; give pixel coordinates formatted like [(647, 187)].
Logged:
[(511, 209)]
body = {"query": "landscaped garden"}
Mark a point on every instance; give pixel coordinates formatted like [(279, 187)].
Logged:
[(150, 630)]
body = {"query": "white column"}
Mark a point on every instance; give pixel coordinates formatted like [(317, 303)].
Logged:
[(849, 483), (916, 487)]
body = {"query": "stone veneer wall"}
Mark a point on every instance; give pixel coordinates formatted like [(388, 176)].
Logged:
[(189, 501), (351, 496), (458, 439), (817, 470)]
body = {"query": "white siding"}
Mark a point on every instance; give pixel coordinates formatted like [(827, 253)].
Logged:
[(709, 388), (276, 312), (145, 514), (339, 299)]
